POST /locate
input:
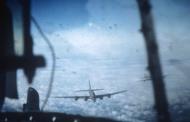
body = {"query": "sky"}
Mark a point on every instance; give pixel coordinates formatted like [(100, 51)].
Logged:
[(99, 40), (96, 30)]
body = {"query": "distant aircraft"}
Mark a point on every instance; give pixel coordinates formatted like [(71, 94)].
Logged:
[(92, 94), (148, 78)]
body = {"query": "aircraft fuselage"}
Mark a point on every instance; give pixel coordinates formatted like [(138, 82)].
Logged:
[(92, 95)]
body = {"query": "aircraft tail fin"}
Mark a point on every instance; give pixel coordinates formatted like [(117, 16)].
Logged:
[(90, 88), (89, 85)]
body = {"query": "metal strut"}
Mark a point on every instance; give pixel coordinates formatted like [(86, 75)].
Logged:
[(161, 103)]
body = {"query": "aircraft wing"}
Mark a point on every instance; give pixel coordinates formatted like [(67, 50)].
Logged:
[(149, 79), (74, 97), (109, 94), (146, 79)]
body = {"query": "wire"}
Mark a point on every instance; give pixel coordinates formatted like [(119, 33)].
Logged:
[(53, 61)]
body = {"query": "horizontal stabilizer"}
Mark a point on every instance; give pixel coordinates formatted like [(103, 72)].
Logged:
[(89, 90)]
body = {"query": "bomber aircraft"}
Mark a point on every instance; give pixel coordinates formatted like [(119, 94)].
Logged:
[(92, 94)]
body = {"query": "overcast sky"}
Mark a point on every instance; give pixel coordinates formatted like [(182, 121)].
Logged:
[(110, 28)]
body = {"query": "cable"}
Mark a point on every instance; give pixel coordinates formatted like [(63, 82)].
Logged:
[(53, 61)]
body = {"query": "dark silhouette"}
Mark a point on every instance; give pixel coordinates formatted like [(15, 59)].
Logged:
[(161, 103), (6, 50)]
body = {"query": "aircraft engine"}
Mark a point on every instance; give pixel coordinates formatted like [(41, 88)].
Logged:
[(101, 98), (109, 96), (85, 98), (76, 98)]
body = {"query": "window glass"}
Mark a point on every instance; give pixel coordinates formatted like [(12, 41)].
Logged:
[(100, 41)]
